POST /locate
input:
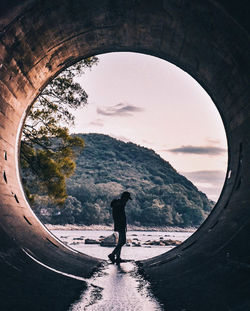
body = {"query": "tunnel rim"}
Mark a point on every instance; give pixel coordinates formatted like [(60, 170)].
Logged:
[(229, 140), (147, 53)]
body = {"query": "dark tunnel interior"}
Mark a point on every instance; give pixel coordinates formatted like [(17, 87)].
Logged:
[(207, 39)]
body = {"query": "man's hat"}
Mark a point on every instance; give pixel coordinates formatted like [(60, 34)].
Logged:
[(126, 195)]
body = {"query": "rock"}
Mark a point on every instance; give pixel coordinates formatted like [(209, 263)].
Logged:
[(136, 239), (74, 243), (134, 234), (78, 239), (171, 242), (177, 242), (148, 242), (162, 242), (110, 241), (155, 242), (91, 241)]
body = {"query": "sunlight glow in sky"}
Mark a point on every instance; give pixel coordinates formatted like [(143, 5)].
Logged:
[(151, 102)]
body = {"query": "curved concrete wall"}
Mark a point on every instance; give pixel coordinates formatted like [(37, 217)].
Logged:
[(38, 39)]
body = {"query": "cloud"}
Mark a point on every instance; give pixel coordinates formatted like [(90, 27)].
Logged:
[(213, 141), (212, 192), (120, 110), (201, 150), (97, 122), (208, 177), (209, 182)]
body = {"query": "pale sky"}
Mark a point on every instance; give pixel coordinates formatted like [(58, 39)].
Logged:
[(151, 102)]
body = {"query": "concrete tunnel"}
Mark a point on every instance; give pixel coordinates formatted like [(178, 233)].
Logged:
[(209, 40)]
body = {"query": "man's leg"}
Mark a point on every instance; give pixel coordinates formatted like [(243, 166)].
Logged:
[(121, 242), (117, 250)]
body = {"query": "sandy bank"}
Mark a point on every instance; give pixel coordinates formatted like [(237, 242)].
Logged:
[(110, 228)]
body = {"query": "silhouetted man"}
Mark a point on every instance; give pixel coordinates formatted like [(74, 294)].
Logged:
[(120, 225)]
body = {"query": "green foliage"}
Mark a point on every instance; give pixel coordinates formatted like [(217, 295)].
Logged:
[(48, 152), (107, 166)]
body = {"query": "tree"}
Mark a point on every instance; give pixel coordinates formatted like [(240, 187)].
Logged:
[(48, 151)]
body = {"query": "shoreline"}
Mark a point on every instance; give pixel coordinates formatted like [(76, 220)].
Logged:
[(110, 228)]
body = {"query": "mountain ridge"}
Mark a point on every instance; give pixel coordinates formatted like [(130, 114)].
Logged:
[(107, 166)]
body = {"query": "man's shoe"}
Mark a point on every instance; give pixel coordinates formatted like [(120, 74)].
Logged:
[(112, 258), (119, 260)]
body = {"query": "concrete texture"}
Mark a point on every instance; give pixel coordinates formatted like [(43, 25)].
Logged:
[(208, 39)]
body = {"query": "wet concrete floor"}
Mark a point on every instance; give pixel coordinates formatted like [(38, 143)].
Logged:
[(117, 288)]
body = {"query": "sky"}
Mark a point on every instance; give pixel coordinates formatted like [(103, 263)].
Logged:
[(153, 103)]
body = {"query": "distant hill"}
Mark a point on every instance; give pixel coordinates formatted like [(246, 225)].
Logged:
[(108, 166)]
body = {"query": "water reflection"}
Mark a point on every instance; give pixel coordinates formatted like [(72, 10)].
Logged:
[(117, 288)]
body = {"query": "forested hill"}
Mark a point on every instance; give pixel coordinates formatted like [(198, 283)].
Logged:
[(105, 168), (108, 166)]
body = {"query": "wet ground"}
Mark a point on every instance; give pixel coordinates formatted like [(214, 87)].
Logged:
[(117, 288)]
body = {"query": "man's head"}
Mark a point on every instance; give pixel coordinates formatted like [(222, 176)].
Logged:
[(126, 196)]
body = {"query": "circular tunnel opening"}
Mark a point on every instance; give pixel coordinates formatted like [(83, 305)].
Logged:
[(203, 39), (146, 126)]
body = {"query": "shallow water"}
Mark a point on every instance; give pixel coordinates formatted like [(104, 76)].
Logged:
[(70, 237), (118, 288)]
